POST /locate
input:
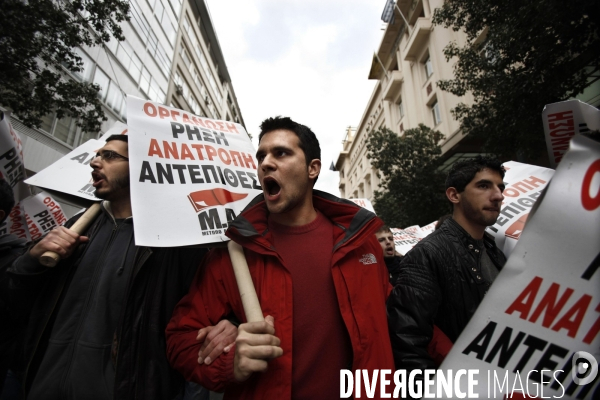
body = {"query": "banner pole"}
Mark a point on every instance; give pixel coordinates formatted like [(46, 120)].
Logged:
[(244, 281), (50, 258)]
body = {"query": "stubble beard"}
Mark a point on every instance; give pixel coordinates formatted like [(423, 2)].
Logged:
[(478, 216), (115, 186)]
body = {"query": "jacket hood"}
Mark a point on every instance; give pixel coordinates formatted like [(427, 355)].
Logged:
[(250, 228), (107, 209)]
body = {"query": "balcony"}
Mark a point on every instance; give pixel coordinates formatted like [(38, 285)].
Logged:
[(393, 85), (417, 40)]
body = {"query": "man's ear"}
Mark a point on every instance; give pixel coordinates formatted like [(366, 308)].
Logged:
[(314, 169), (453, 195)]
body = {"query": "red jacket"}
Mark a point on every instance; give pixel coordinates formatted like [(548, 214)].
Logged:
[(360, 278)]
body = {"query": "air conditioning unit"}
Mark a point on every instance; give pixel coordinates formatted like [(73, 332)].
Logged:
[(207, 100), (179, 89)]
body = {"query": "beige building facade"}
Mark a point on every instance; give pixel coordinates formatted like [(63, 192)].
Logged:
[(200, 81), (407, 66)]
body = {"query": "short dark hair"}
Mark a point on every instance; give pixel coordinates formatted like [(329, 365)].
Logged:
[(462, 172), (122, 138), (308, 140), (7, 199), (384, 228)]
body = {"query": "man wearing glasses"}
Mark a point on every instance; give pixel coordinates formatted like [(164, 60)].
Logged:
[(98, 318)]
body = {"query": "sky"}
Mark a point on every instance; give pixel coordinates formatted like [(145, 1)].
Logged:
[(305, 59)]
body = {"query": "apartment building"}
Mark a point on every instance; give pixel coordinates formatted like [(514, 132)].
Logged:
[(407, 66), (170, 55)]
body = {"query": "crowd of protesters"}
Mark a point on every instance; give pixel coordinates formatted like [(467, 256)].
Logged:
[(117, 320)]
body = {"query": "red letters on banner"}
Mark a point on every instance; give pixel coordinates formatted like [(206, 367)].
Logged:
[(590, 203), (153, 111), (551, 305)]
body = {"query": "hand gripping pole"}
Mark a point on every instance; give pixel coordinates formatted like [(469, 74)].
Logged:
[(50, 258)]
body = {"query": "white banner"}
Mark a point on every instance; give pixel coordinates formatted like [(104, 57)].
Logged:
[(72, 174), (524, 184), (190, 176), (405, 239), (12, 168), (33, 217), (16, 223), (540, 320), (42, 214), (564, 120)]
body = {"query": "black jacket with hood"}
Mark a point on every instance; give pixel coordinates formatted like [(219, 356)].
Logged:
[(107, 281), (12, 325), (440, 282)]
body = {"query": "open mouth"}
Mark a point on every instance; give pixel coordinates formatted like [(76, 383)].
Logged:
[(271, 186), (97, 178)]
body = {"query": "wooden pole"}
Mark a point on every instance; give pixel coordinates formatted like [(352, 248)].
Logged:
[(244, 281), (50, 258)]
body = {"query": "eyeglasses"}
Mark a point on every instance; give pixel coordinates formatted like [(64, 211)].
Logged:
[(109, 155)]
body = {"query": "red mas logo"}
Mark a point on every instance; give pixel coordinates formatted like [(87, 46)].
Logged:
[(213, 197)]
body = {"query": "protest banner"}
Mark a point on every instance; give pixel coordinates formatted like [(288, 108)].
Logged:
[(404, 240), (524, 184), (42, 214), (190, 176), (72, 173), (427, 229), (562, 121), (364, 203), (16, 223), (537, 331), (33, 217), (12, 167)]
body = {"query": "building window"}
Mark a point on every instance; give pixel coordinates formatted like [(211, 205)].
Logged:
[(110, 93), (214, 86), (203, 60), (428, 67), (102, 80), (87, 68), (187, 26), (186, 58), (63, 129), (401, 109), (156, 50), (129, 60), (165, 22), (435, 112), (176, 4), (149, 86)]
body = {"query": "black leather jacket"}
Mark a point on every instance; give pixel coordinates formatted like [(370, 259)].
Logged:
[(160, 278), (440, 282)]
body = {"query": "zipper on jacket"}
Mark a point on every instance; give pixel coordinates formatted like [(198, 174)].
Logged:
[(95, 277), (136, 268)]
